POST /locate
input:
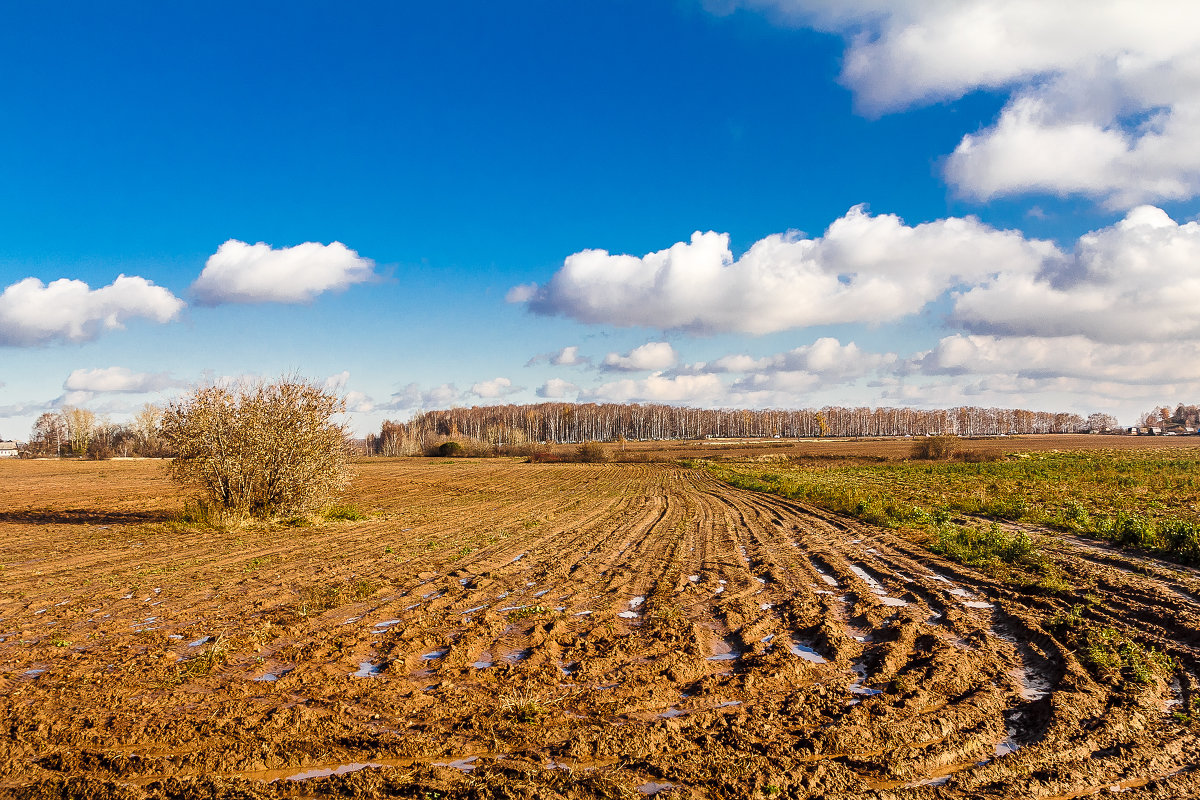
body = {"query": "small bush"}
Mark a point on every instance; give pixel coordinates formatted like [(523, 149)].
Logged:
[(450, 450), (261, 449), (935, 448), (591, 453)]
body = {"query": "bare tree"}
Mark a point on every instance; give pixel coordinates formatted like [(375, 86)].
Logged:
[(81, 425), (259, 448), (49, 434)]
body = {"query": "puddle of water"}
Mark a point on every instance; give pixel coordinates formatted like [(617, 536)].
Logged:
[(877, 587), (33, 673), (473, 610), (410, 608), (730, 656), (200, 641), (693, 578), (655, 788), (858, 635), (767, 639), (857, 687), (367, 670), (765, 606), (718, 590), (581, 613), (518, 655), (977, 604), (387, 623), (462, 764), (807, 653), (942, 781), (434, 655), (1008, 745), (729, 704), (1176, 698), (760, 580), (1030, 685), (484, 662), (637, 601), (672, 712), (628, 614)]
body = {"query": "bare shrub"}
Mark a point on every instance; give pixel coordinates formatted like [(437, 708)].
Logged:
[(260, 448), (591, 453), (935, 448)]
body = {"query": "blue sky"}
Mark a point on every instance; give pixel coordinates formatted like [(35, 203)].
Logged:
[(924, 203)]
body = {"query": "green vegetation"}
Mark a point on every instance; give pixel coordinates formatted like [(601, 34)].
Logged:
[(1148, 499), (1110, 656), (528, 612), (345, 513)]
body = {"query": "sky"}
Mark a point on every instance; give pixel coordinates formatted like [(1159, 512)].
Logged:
[(717, 203)]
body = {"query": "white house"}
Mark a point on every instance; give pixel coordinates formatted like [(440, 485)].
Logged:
[(8, 449)]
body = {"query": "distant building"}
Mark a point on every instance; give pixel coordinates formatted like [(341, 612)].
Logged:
[(8, 450)]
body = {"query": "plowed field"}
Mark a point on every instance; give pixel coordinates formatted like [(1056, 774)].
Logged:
[(501, 629)]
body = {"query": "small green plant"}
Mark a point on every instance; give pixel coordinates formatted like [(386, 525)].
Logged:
[(345, 512), (60, 643), (202, 664), (528, 612), (522, 707)]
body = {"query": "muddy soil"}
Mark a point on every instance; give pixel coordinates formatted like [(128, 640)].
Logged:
[(501, 629)]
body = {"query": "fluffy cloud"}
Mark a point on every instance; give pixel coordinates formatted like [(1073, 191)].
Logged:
[(495, 388), (34, 313), (652, 355), (118, 379), (1104, 94), (658, 388), (412, 396), (864, 269), (826, 359), (1135, 281), (557, 389), (257, 273), (566, 357), (1070, 357)]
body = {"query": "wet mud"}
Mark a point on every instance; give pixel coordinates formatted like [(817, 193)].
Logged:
[(499, 629)]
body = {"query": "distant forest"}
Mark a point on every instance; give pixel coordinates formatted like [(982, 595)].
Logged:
[(568, 423)]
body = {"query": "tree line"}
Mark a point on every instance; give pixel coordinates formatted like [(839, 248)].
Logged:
[(75, 431), (574, 423)]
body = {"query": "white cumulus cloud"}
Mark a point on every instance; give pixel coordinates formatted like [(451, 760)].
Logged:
[(557, 389), (1135, 281), (65, 310), (1104, 95), (118, 379), (659, 388), (864, 269), (495, 388), (258, 273), (649, 356), (566, 357)]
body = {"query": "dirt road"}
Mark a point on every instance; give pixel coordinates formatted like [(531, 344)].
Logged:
[(499, 629)]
